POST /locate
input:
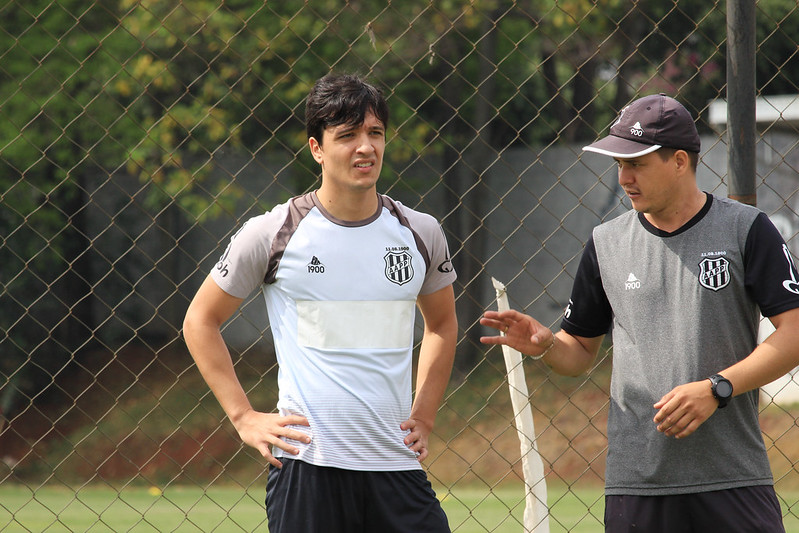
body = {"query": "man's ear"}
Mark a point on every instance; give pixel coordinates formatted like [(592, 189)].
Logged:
[(316, 149), (683, 160)]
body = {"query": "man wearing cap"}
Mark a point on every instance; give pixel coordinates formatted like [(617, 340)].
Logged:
[(680, 282)]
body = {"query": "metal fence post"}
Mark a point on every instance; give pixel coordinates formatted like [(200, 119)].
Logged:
[(741, 125)]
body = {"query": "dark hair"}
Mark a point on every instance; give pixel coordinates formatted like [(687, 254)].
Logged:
[(339, 99)]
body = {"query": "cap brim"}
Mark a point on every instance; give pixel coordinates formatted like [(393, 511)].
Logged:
[(620, 148)]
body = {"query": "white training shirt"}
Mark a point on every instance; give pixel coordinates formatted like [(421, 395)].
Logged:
[(341, 302)]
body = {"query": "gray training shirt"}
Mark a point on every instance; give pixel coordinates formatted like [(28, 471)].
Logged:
[(682, 306)]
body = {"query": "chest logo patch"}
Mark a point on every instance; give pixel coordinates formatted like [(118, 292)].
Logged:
[(714, 273), (399, 269)]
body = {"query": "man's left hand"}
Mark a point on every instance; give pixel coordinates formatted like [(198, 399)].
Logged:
[(685, 408)]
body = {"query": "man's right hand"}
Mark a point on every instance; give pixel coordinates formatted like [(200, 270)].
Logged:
[(522, 332), (264, 430)]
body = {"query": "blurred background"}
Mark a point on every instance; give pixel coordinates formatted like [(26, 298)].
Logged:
[(137, 136)]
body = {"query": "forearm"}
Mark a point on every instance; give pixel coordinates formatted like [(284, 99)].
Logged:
[(570, 355), (775, 357), (216, 367), (210, 308), (436, 358)]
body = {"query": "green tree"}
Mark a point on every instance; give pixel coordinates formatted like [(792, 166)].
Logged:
[(777, 27), (160, 90), (59, 128)]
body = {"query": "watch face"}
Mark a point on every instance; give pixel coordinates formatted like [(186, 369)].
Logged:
[(724, 389)]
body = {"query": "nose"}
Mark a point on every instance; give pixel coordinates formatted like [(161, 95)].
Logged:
[(365, 144), (626, 174)]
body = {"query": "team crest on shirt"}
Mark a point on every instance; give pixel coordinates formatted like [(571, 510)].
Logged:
[(399, 269), (714, 273)]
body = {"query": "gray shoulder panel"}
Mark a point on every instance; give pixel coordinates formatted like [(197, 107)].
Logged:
[(298, 207), (395, 211)]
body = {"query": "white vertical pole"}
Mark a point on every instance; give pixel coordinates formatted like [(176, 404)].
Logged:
[(536, 512)]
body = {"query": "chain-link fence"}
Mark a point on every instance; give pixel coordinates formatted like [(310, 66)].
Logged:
[(136, 136)]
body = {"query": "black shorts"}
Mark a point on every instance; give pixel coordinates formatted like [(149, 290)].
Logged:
[(748, 509), (304, 498)]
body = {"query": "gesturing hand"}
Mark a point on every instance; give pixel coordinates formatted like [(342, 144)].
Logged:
[(522, 332)]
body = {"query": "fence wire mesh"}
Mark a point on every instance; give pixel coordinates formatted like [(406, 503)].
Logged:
[(136, 136)]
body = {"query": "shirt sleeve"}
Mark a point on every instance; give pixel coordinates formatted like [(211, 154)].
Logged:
[(242, 267), (589, 313), (440, 273), (770, 272)]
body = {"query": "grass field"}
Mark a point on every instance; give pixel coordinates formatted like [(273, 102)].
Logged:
[(226, 509), (103, 509), (477, 448)]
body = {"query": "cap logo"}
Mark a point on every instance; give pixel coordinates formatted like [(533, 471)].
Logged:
[(637, 130), (618, 120)]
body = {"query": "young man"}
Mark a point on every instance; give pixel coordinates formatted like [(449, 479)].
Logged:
[(341, 269), (679, 281)]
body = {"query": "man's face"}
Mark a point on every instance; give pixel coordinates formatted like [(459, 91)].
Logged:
[(649, 182), (351, 156)]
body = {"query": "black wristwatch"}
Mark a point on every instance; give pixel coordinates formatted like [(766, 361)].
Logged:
[(722, 389)]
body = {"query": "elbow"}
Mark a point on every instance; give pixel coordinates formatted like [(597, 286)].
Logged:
[(189, 323), (186, 326), (567, 371)]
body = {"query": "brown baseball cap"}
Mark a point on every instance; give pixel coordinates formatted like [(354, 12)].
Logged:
[(648, 124)]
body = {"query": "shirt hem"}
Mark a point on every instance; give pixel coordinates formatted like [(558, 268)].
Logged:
[(688, 489)]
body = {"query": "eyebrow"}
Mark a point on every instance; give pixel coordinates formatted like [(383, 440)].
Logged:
[(346, 128)]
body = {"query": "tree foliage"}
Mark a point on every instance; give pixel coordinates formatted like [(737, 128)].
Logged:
[(161, 90), (59, 126)]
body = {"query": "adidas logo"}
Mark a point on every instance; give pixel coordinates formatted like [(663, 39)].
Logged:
[(316, 266), (637, 130), (632, 283)]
